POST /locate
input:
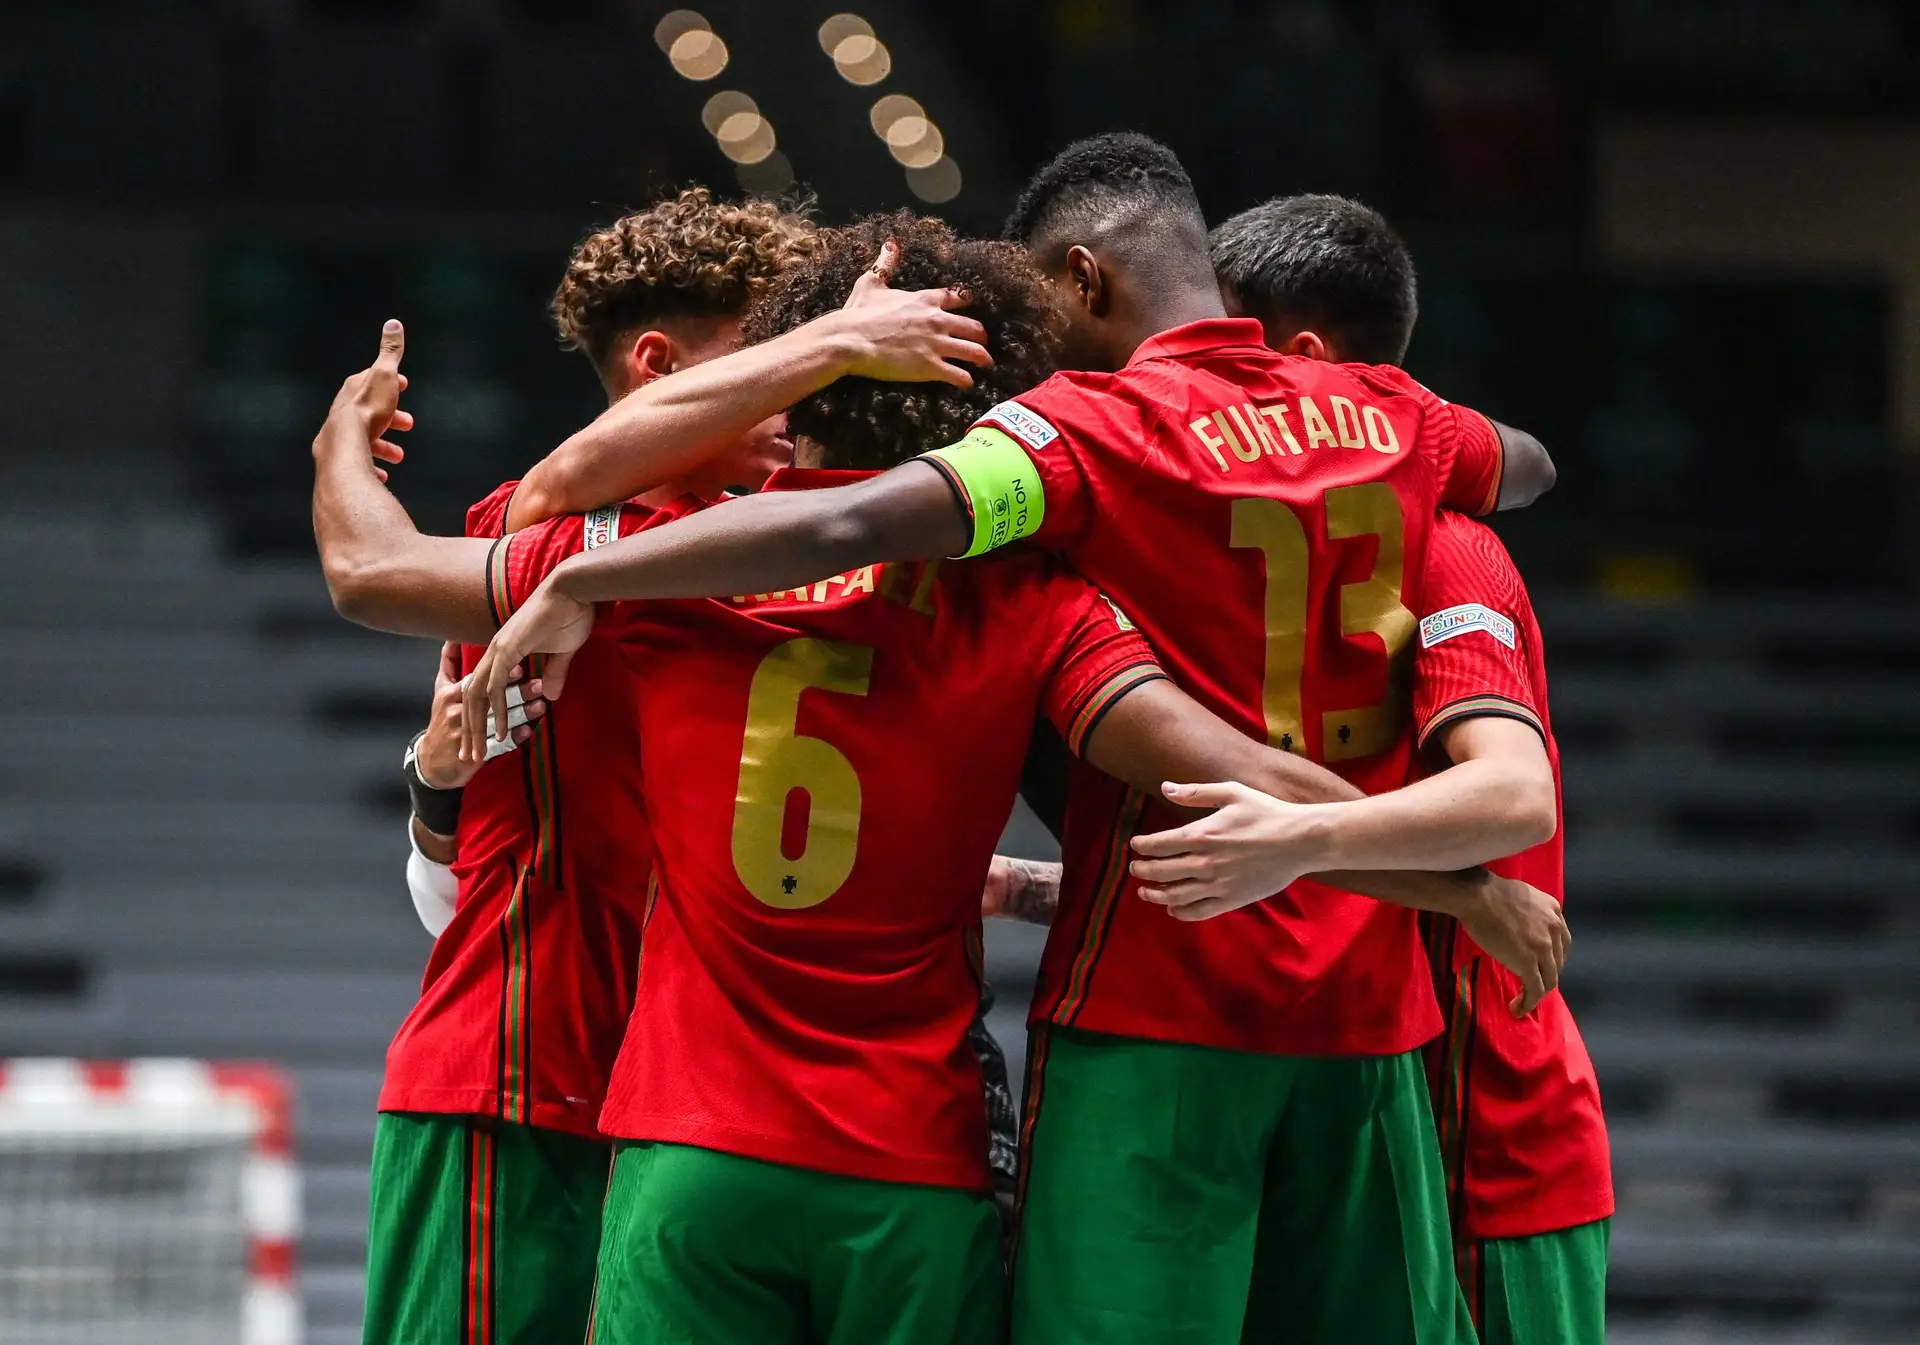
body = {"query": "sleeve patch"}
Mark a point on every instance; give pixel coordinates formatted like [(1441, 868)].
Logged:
[(1470, 616), (1029, 427), (602, 526)]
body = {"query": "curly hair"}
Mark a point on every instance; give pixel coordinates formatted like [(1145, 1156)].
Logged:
[(864, 423), (690, 256)]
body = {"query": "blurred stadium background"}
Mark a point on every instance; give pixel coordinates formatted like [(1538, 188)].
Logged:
[(1680, 239)]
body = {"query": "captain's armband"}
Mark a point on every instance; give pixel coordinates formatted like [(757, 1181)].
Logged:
[(1000, 485)]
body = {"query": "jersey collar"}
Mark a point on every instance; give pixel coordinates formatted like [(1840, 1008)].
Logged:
[(1192, 338)]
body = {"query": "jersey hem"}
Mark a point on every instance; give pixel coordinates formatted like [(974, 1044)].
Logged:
[(1407, 1039), (486, 1102), (779, 1150), (1591, 1208)]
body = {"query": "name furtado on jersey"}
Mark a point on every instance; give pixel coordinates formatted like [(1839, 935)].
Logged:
[(1250, 432)]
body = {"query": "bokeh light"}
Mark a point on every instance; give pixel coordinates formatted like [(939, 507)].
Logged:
[(698, 53), (767, 177), (862, 59), (841, 27), (676, 24), (938, 182), (723, 105), (891, 108), (745, 137)]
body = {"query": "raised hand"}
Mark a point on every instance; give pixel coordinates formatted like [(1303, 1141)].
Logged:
[(910, 336), (367, 407)]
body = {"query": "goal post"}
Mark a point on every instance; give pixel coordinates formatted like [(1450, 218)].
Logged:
[(151, 1201)]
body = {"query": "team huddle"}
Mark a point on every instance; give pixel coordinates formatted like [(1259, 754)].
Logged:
[(884, 527)]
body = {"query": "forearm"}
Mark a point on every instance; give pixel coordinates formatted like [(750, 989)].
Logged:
[(1032, 892), (381, 570), (781, 540), (432, 845), (1468, 814), (1454, 894), (670, 426)]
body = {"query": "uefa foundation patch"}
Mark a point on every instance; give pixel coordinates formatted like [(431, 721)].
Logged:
[(1468, 616), (1029, 427)]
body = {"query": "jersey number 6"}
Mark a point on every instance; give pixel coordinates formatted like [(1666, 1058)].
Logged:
[(775, 761), (1371, 606)]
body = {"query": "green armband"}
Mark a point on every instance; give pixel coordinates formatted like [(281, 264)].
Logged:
[(1001, 486)]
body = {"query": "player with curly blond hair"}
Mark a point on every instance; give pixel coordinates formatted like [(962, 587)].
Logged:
[(489, 1169)]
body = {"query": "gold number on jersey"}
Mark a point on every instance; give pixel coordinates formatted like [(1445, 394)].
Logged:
[(1274, 530), (775, 761), (1373, 605)]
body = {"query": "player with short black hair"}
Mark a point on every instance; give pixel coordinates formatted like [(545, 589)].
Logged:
[(1320, 264), (1253, 1079), (801, 1136), (489, 1167)]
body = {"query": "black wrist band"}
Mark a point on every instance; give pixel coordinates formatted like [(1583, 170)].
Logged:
[(437, 809)]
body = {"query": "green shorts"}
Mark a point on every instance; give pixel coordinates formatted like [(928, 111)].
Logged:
[(1549, 1289), (1177, 1195), (481, 1231), (708, 1248)]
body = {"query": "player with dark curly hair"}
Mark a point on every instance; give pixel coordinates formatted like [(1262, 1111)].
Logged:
[(799, 1122), (1253, 1080), (489, 1167)]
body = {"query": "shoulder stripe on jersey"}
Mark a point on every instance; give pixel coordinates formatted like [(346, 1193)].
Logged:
[(1473, 707), (1093, 939), (1107, 695), (499, 594)]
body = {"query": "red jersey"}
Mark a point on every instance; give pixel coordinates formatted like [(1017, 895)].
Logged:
[(1264, 518), (527, 991), (827, 771), (1518, 1105)]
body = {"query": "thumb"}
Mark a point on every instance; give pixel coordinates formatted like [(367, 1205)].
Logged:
[(875, 277), (1200, 796), (393, 344), (450, 662)]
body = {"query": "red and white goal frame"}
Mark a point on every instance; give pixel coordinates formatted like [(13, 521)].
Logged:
[(48, 1100)]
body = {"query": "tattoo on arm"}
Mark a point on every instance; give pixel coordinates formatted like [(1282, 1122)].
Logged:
[(1033, 891)]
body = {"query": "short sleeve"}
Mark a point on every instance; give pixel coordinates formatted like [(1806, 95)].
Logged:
[(1097, 656), (519, 561), (1463, 445), (488, 518), (1472, 658), (1472, 482), (1023, 470)]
